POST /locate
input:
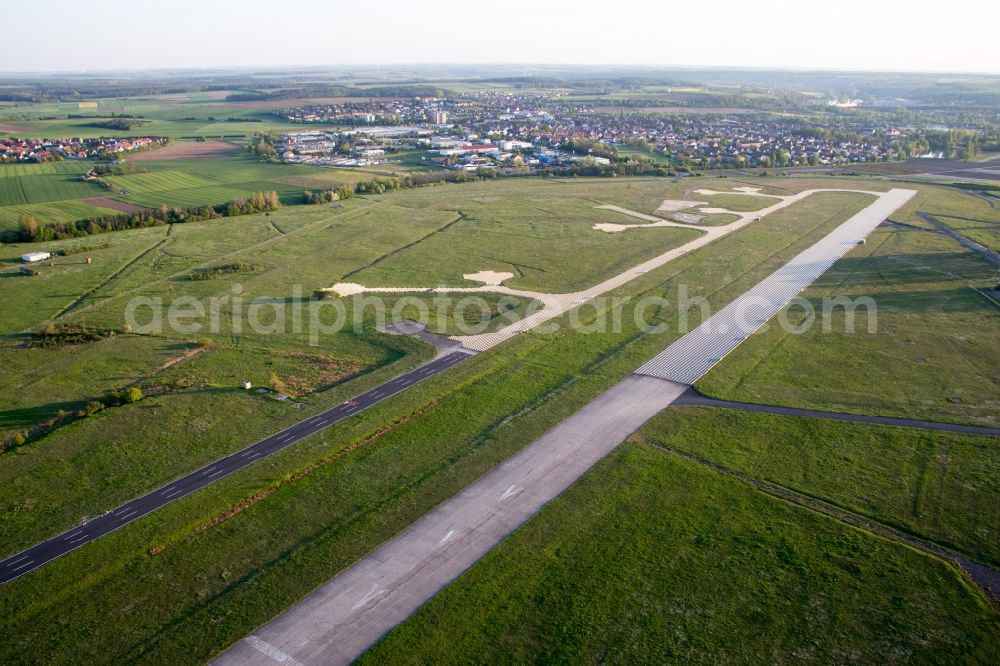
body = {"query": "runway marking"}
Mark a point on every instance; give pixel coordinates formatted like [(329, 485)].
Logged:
[(70, 536), (174, 492), (368, 597), (378, 395), (274, 653), (256, 454), (130, 513), (28, 563), (218, 471), (23, 557), (447, 536), (513, 490), (79, 538), (166, 490)]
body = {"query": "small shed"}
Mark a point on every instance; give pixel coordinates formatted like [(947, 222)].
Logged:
[(247, 385)]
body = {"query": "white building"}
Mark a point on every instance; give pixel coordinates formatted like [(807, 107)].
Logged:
[(515, 145), (32, 257)]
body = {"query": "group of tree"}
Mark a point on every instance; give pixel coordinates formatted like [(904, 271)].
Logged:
[(115, 399), (122, 124), (264, 146), (29, 230), (49, 334), (212, 272), (327, 196), (585, 146)]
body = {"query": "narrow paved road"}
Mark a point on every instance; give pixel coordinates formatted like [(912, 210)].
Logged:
[(46, 551), (693, 398), (986, 253)]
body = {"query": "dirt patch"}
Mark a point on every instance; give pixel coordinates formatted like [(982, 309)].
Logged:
[(113, 204), (185, 150), (674, 205), (13, 128)]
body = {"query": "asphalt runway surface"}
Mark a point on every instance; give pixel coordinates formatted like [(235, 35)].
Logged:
[(339, 620), (46, 551), (694, 354)]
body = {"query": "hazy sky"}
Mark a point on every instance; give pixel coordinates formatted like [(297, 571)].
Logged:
[(952, 35)]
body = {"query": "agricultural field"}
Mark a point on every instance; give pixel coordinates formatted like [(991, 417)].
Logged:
[(177, 119), (651, 558), (56, 192), (51, 191)]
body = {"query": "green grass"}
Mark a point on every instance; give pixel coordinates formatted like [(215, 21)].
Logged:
[(653, 559), (528, 231), (307, 512), (226, 367), (39, 382), (51, 212), (458, 314), (736, 202), (321, 504), (166, 179), (31, 300), (928, 357), (940, 486), (53, 191), (164, 122)]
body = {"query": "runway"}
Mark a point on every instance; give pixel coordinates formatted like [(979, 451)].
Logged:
[(341, 619)]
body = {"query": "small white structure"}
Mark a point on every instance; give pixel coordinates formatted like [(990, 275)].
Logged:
[(247, 385), (32, 257)]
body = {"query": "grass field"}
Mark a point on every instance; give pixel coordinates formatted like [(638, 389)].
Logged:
[(204, 571), (942, 487), (337, 494), (928, 357), (737, 202), (39, 382), (528, 234), (653, 559)]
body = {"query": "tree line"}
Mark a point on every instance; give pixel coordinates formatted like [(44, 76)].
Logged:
[(30, 231)]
